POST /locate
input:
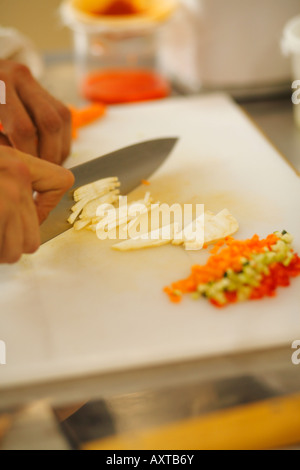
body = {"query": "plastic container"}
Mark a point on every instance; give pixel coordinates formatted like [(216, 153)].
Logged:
[(113, 43), (229, 45), (291, 47)]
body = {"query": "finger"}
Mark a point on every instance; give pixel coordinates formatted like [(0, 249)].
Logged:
[(49, 123), (50, 182), (51, 189), (50, 133), (3, 222), (37, 100), (19, 128), (30, 223), (46, 202), (65, 115), (12, 247)]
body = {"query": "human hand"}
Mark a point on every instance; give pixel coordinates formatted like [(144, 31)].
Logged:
[(34, 121), (20, 212)]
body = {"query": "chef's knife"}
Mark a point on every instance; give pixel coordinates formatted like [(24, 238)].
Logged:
[(131, 165)]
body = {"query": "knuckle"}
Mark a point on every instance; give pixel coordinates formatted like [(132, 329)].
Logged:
[(51, 158), (21, 70), (20, 170), (16, 179), (14, 194), (51, 122), (5, 76), (64, 113), (24, 130)]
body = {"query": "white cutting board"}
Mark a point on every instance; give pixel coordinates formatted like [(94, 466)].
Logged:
[(77, 307)]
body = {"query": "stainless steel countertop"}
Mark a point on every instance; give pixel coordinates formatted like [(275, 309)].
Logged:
[(140, 399), (143, 399), (275, 118)]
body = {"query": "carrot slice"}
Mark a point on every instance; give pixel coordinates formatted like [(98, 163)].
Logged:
[(85, 116), (124, 86)]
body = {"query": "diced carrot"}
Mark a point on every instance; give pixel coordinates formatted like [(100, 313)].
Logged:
[(231, 257), (175, 298), (231, 297), (216, 304), (145, 182), (217, 247)]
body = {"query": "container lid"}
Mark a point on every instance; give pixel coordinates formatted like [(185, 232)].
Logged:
[(80, 19), (290, 43)]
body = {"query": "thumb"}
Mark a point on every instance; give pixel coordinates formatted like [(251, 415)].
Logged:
[(49, 181)]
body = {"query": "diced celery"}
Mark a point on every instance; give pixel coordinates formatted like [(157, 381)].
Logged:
[(287, 238), (195, 296)]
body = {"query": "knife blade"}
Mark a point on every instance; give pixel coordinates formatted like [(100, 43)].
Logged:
[(130, 164)]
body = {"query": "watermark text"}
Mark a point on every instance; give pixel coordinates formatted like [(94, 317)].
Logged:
[(296, 354), (155, 459), (2, 92), (155, 222), (296, 94), (2, 353)]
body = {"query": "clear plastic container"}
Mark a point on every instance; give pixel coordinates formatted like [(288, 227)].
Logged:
[(291, 47), (115, 42)]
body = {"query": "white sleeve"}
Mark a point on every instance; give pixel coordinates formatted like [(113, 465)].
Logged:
[(17, 47)]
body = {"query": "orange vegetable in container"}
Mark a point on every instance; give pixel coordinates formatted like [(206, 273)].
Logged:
[(120, 7), (118, 86), (116, 47), (115, 7)]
